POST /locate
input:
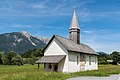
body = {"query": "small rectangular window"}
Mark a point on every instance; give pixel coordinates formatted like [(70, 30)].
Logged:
[(85, 58), (77, 60), (95, 60), (89, 60)]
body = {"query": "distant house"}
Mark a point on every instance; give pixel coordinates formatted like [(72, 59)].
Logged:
[(68, 55), (110, 61)]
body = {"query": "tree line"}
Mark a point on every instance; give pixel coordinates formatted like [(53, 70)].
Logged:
[(114, 57), (30, 56), (12, 58)]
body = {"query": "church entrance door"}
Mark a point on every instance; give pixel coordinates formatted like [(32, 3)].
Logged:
[(82, 62)]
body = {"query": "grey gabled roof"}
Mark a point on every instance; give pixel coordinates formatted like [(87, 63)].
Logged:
[(51, 59), (72, 46)]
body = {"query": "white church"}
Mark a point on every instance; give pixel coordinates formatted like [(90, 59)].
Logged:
[(68, 55)]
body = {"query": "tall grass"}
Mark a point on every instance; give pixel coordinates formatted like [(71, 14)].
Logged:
[(30, 72)]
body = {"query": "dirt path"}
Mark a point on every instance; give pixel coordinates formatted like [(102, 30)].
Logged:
[(112, 77)]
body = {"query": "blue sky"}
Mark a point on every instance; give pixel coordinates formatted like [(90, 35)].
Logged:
[(99, 20)]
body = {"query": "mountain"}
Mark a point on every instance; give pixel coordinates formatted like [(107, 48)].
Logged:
[(45, 40), (19, 42)]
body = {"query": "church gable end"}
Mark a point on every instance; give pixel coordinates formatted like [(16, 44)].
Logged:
[(54, 47)]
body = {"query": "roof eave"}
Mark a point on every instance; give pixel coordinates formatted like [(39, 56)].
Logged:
[(83, 52), (54, 61)]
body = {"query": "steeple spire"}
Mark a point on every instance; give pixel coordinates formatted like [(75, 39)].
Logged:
[(74, 29), (74, 22)]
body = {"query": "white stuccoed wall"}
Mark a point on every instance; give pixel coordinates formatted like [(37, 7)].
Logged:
[(55, 48), (94, 63), (63, 65), (73, 66)]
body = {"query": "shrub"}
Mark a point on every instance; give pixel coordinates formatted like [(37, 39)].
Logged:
[(17, 60)]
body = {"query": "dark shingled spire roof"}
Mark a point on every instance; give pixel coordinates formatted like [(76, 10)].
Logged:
[(72, 46), (74, 22)]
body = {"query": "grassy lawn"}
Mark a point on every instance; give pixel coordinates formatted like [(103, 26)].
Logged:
[(30, 72)]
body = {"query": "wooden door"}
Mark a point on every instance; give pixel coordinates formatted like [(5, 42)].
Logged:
[(82, 62)]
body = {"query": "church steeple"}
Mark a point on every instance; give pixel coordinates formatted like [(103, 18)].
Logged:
[(74, 30)]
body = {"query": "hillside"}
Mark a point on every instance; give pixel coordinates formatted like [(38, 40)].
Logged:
[(19, 42)]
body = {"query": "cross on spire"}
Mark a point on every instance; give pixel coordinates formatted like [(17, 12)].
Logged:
[(75, 1), (74, 22)]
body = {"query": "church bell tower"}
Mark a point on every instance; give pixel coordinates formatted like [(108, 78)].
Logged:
[(74, 30)]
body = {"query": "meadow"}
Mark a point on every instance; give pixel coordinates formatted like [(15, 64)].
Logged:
[(30, 72)]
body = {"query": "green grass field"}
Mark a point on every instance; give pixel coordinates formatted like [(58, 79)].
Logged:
[(30, 72)]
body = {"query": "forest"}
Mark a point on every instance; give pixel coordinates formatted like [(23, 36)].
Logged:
[(12, 58), (30, 56)]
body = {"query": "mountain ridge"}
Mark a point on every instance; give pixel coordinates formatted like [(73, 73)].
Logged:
[(19, 42)]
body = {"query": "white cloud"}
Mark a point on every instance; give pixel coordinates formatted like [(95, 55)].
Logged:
[(88, 32), (105, 47), (39, 6), (47, 8), (21, 26), (102, 40)]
